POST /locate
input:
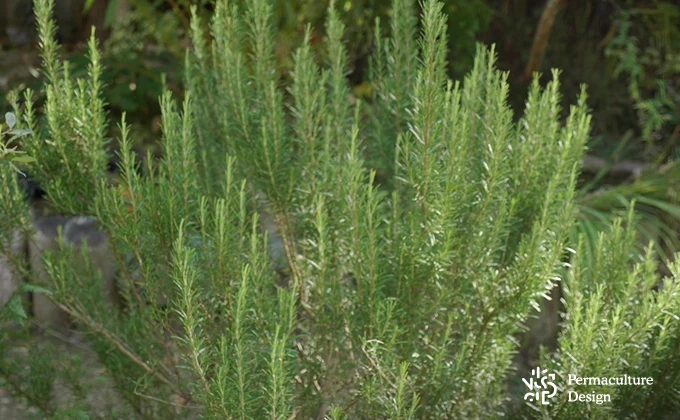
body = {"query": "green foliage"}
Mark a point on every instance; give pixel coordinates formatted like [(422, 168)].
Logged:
[(654, 200), (641, 53), (645, 52), (618, 326), (417, 232), (134, 75), (71, 160), (467, 19), (17, 156)]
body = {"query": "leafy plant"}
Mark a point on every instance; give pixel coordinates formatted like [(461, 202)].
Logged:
[(17, 156), (268, 272), (645, 51)]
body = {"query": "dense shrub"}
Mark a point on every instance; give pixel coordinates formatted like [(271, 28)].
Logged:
[(300, 254)]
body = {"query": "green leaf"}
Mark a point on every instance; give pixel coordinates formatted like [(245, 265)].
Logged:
[(28, 287), (16, 308), (110, 14), (23, 159), (19, 133), (11, 120), (88, 5)]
